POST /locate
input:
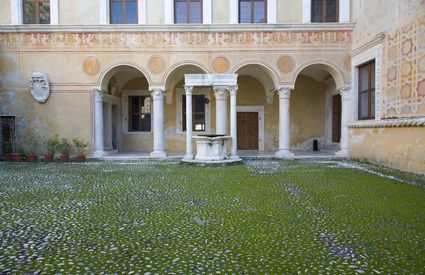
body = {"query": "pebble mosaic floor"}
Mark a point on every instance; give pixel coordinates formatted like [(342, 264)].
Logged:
[(261, 217)]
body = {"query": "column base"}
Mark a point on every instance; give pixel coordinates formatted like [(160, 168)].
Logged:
[(235, 158), (99, 153), (284, 154), (158, 155), (342, 153), (188, 157)]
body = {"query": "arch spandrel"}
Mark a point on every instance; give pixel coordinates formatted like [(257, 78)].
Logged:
[(337, 73), (112, 69)]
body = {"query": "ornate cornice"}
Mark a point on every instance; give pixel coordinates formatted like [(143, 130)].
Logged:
[(375, 41), (387, 123), (178, 28)]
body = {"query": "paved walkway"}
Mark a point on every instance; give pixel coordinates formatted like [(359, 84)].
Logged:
[(241, 154)]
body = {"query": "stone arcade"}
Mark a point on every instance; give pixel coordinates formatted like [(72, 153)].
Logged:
[(348, 76)]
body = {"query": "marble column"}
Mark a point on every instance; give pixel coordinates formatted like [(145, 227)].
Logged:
[(188, 91), (345, 119), (108, 126), (158, 124), (233, 90), (284, 123), (220, 93), (98, 123)]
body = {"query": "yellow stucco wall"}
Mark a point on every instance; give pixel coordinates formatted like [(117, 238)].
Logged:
[(220, 14), (289, 11), (42, 119), (5, 17), (307, 110), (155, 11), (402, 148), (79, 12)]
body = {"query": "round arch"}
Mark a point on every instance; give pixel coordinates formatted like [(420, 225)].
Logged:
[(333, 69), (112, 69), (180, 67), (265, 73)]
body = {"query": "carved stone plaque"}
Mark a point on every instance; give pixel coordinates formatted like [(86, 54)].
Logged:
[(40, 88)]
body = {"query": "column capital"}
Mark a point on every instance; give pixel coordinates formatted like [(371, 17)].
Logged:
[(285, 91), (188, 90), (99, 94), (157, 94), (233, 90), (345, 92), (220, 92)]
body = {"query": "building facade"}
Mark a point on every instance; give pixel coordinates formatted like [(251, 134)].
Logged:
[(345, 73)]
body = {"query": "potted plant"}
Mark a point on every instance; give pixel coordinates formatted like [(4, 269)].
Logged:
[(52, 145), (17, 157), (80, 144), (64, 148), (31, 145)]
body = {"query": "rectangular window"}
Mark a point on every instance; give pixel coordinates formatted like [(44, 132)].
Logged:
[(366, 86), (123, 11), (7, 128), (36, 11), (252, 11), (198, 113), (188, 11), (139, 113), (324, 11)]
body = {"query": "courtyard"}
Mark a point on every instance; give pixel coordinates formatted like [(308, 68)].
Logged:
[(263, 216)]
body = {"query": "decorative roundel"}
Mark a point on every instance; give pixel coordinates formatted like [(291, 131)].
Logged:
[(221, 64), (6, 65), (286, 64), (346, 62), (91, 66), (156, 64)]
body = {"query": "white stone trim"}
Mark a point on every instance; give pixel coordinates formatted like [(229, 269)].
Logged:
[(104, 12), (271, 12), (211, 79), (124, 113), (260, 111), (306, 11), (168, 11), (387, 123), (369, 54), (54, 12), (179, 118), (233, 11), (142, 12), (16, 12), (106, 27), (344, 11), (207, 11)]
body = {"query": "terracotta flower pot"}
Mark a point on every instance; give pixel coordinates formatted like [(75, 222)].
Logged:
[(16, 157), (31, 158), (48, 158), (7, 157), (64, 158), (80, 158)]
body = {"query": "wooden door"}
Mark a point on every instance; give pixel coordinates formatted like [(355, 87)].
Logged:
[(336, 118), (247, 130)]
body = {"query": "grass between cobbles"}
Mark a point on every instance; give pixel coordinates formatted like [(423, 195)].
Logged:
[(275, 217)]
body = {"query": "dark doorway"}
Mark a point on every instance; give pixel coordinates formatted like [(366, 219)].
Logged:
[(7, 124), (247, 130), (336, 118)]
